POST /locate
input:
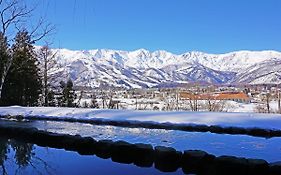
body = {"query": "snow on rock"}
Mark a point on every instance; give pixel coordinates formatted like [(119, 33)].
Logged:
[(246, 120)]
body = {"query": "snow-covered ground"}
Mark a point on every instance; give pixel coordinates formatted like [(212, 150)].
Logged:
[(247, 120), (250, 107), (162, 105)]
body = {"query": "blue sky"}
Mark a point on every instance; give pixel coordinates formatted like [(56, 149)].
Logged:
[(213, 26)]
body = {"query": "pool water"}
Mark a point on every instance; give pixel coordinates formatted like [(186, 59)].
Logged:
[(25, 158), (217, 144)]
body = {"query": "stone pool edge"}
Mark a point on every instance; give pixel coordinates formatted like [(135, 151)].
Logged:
[(165, 159), (255, 131)]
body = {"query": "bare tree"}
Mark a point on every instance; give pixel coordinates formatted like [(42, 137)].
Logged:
[(12, 14), (264, 106), (5, 57), (15, 16), (278, 101), (47, 64), (193, 102), (267, 100), (214, 105)]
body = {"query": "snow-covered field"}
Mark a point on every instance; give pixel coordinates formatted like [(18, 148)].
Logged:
[(159, 104), (247, 120)]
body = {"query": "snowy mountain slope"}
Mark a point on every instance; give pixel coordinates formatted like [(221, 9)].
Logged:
[(234, 61), (266, 72), (142, 68)]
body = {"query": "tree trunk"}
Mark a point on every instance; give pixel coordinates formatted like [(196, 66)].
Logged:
[(279, 103), (267, 103)]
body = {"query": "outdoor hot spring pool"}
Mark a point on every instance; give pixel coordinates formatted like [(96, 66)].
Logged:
[(17, 157), (216, 144)]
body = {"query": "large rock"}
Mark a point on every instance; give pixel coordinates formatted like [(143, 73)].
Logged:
[(196, 161), (167, 159), (275, 168), (71, 143), (46, 139), (259, 132), (235, 130), (258, 166), (143, 155), (216, 129), (103, 148), (86, 146), (231, 165), (123, 152)]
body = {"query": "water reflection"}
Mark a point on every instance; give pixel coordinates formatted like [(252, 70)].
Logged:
[(17, 157), (217, 144), (3, 154), (23, 153)]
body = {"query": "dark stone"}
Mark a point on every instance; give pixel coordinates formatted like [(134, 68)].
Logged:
[(103, 148), (259, 132), (86, 146), (275, 168), (275, 133), (196, 161), (41, 138), (54, 140), (72, 143), (167, 159), (202, 128), (143, 155), (122, 152), (12, 131), (72, 120), (258, 166), (216, 129), (27, 133), (235, 130), (147, 125), (231, 165)]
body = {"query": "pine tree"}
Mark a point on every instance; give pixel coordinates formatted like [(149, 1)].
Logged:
[(23, 83), (51, 98), (68, 94), (94, 103)]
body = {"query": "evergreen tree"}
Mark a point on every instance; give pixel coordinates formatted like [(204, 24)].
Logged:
[(51, 98), (68, 94), (94, 102), (23, 83)]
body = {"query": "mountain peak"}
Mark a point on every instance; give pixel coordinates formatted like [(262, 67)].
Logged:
[(142, 68)]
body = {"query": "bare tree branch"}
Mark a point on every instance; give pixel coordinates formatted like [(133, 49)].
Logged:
[(13, 12), (45, 31), (14, 15)]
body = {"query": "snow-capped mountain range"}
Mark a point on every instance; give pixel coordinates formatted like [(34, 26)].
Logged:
[(142, 68)]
